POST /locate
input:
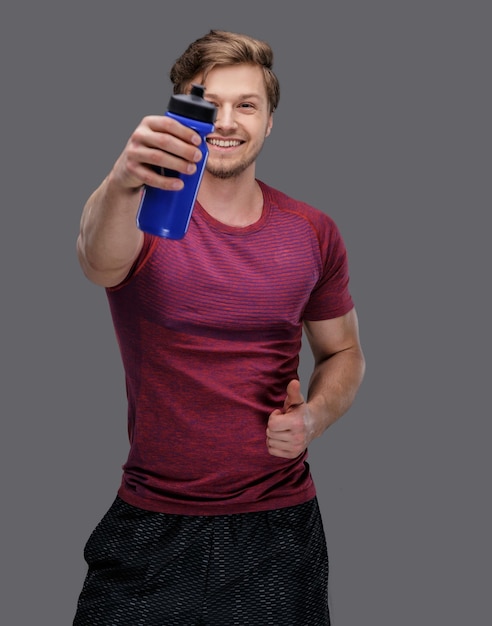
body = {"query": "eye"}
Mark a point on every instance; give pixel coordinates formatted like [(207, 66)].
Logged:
[(247, 107)]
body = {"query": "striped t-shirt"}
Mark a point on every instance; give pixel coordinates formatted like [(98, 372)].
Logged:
[(210, 329)]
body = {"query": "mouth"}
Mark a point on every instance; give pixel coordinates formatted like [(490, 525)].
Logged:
[(224, 143)]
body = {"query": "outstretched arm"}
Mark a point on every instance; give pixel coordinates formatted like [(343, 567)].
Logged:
[(109, 240), (339, 367)]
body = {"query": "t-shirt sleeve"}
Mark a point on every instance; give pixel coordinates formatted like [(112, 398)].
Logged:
[(150, 241), (330, 297)]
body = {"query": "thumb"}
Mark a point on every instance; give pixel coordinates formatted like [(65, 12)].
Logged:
[(294, 396)]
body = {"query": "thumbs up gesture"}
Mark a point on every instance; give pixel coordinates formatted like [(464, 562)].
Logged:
[(289, 430)]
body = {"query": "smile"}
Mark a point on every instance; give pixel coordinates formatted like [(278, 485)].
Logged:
[(224, 143)]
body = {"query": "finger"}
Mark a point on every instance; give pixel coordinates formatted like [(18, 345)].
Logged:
[(158, 136), (294, 396), (280, 449), (168, 152), (277, 422), (167, 125), (282, 435), (151, 176)]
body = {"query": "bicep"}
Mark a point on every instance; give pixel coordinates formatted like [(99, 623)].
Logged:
[(327, 337)]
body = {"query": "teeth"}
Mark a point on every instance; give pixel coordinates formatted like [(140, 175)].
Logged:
[(224, 143)]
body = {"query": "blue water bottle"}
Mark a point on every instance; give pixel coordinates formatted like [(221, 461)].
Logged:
[(167, 213)]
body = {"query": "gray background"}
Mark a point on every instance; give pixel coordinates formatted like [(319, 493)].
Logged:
[(384, 122)]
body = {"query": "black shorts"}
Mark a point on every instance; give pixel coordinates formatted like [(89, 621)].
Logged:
[(152, 569)]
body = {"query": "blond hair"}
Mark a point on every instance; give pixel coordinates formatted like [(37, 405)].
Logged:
[(220, 47)]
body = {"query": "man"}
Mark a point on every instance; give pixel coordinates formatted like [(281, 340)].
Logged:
[(216, 521)]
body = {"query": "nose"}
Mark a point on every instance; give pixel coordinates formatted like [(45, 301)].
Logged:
[(226, 119)]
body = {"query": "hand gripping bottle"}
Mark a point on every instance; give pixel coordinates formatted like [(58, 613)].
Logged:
[(167, 213)]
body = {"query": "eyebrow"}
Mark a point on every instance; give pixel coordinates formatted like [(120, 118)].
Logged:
[(245, 96)]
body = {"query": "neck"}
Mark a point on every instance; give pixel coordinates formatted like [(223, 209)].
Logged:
[(236, 201)]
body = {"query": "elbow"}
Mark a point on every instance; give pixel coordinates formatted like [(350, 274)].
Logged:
[(93, 270)]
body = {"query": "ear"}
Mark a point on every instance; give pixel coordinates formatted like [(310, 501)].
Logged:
[(269, 125)]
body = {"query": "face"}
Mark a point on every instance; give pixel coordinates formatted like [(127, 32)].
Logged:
[(243, 119)]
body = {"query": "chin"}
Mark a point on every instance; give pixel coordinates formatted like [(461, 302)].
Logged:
[(224, 172)]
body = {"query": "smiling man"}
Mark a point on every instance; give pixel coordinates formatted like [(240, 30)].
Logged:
[(245, 119), (216, 520)]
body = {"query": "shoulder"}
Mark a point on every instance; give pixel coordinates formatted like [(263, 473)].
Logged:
[(319, 221)]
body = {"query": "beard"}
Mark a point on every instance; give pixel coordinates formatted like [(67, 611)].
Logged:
[(225, 171)]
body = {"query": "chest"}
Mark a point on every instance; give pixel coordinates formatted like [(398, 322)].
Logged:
[(238, 283)]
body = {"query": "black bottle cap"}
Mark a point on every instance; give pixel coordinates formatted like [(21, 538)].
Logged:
[(193, 105)]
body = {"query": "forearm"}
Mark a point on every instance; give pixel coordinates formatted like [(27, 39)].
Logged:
[(333, 386), (109, 240)]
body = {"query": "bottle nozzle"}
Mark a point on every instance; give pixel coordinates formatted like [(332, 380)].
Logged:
[(197, 90), (193, 105)]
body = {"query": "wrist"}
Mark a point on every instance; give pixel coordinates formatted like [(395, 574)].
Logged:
[(320, 414)]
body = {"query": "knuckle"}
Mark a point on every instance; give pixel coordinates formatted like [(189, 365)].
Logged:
[(166, 142)]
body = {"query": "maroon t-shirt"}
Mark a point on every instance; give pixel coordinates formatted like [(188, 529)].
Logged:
[(210, 329)]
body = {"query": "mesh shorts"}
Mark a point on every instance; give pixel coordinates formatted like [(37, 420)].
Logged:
[(152, 569)]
